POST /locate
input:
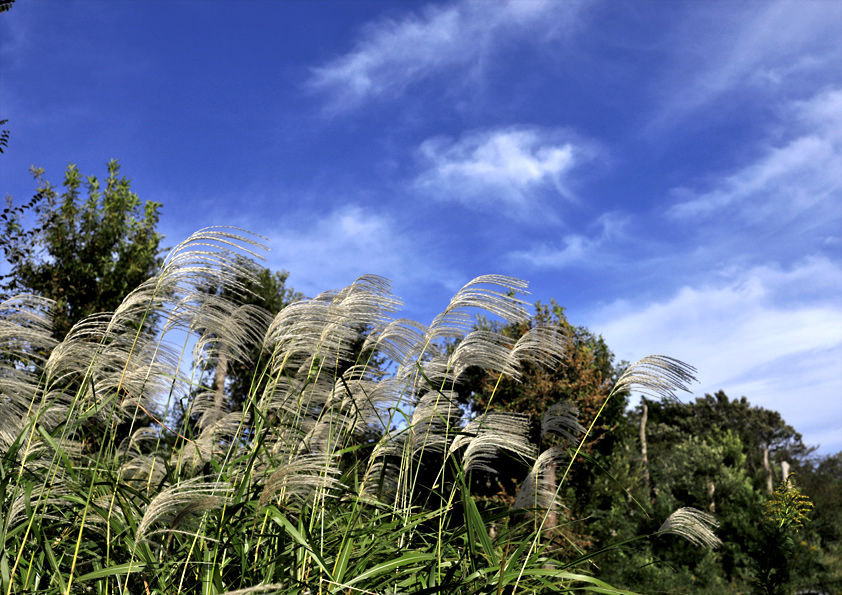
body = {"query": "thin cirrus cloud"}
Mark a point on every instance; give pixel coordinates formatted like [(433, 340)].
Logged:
[(750, 333), (514, 169), (332, 251), (576, 249), (392, 54), (766, 48), (788, 180)]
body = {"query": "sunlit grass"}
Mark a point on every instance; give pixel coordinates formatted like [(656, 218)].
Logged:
[(334, 478)]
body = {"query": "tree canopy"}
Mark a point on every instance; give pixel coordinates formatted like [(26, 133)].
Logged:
[(86, 253), (584, 380), (232, 379)]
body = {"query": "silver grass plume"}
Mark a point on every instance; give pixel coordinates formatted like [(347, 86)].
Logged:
[(358, 401), (25, 343), (694, 525), (321, 331), (384, 477), (434, 424), (40, 499), (295, 398), (132, 444), (178, 298), (488, 434), (658, 376), (26, 325), (487, 349), (227, 328), (539, 489), (399, 340), (545, 346), (209, 258), (302, 476), (457, 319), (144, 472), (177, 505), (219, 439), (109, 368), (561, 419)]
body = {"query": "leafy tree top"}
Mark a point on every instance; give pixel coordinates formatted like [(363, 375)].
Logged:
[(584, 379), (757, 427), (86, 253)]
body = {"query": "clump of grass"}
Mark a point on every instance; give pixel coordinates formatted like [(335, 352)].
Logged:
[(334, 477)]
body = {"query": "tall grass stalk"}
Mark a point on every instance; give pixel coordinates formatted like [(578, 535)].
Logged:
[(335, 477)]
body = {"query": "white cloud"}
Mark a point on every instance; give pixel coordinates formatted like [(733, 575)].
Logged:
[(772, 335), (576, 250), (787, 180), (509, 168), (332, 251), (764, 47), (391, 54)]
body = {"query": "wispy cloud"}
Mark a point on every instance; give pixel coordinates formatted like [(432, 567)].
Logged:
[(788, 180), (392, 54), (575, 249), (332, 251), (510, 169), (768, 333), (778, 47)]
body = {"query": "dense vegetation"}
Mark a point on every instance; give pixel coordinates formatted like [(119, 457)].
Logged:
[(716, 454), (290, 492), (217, 433), (332, 477)]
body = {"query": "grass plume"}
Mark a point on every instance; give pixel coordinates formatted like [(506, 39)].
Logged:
[(335, 476)]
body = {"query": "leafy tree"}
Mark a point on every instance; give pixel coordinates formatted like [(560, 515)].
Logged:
[(707, 454), (584, 380), (821, 480), (784, 513), (4, 137), (232, 379), (87, 254), (759, 429)]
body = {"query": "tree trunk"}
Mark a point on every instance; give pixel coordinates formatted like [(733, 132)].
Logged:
[(711, 490), (643, 453), (768, 469), (219, 382), (552, 516), (784, 470)]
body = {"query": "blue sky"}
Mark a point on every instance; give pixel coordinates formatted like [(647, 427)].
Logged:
[(670, 172)]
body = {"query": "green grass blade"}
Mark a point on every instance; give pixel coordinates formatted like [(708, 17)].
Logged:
[(409, 558), (126, 568)]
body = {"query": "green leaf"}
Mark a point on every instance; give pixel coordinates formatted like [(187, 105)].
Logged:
[(409, 558), (590, 459), (126, 568), (476, 526), (279, 518)]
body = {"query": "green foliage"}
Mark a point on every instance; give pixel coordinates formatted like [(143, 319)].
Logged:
[(755, 426), (788, 508), (708, 454), (280, 497), (584, 379), (784, 513), (4, 137), (85, 254), (260, 288)]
